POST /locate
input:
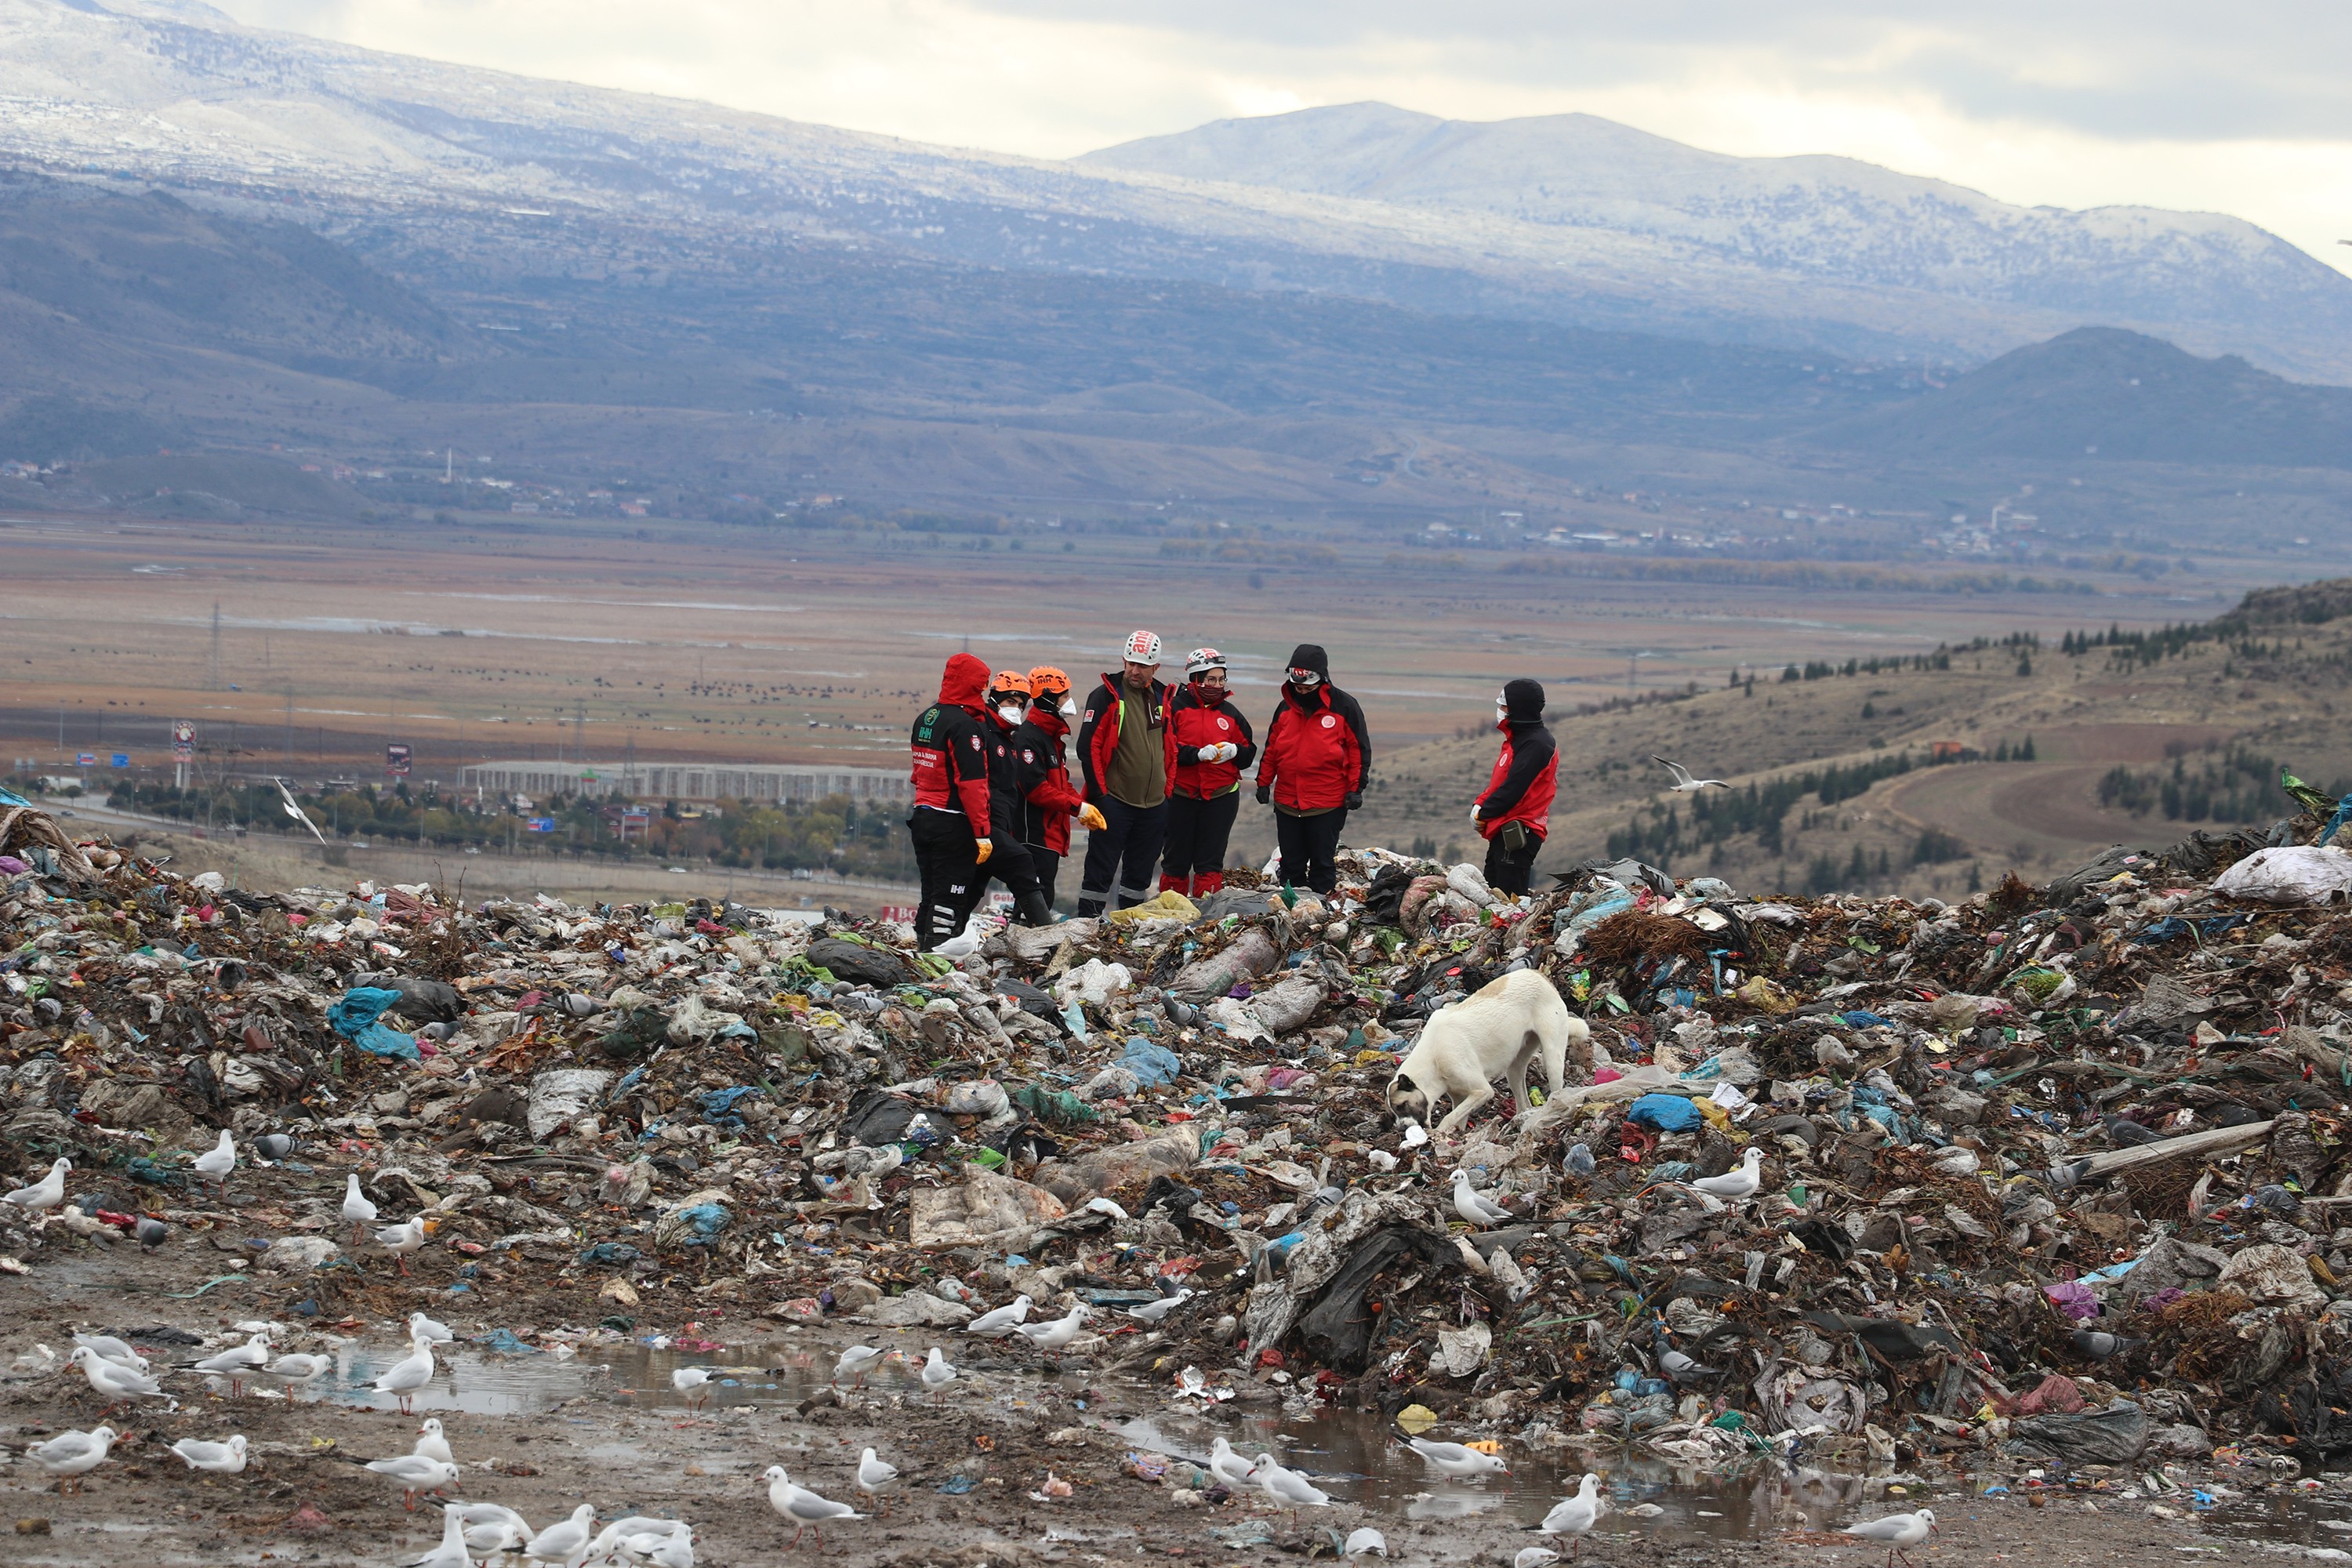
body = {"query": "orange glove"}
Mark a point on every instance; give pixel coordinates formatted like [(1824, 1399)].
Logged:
[(1090, 818), (985, 849)]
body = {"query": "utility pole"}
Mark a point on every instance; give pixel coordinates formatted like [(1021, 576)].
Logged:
[(213, 669)]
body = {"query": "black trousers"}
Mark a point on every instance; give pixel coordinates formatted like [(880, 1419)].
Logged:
[(948, 859), (1048, 866), (1121, 854), (1310, 849), (1509, 872), (1014, 864), (1197, 834)]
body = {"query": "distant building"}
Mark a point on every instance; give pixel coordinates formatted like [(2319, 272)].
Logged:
[(781, 782)]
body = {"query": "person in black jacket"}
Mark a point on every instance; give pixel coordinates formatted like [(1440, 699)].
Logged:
[(1008, 709), (1514, 815)]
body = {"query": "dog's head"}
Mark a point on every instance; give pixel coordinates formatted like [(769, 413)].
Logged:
[(1407, 1100)]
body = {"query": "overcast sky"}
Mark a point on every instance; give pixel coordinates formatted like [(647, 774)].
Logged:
[(2243, 108)]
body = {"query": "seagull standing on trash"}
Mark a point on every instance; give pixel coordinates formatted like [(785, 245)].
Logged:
[(492, 1527), (937, 1373), (1897, 1531), (1683, 784), (856, 1362), (1575, 1517), (1051, 1337), (1737, 1184), (1229, 1466), (995, 1325), (421, 1327), (400, 1240), (73, 1454), (414, 1473), (215, 1163), (1288, 1487), (45, 1194), (120, 1384), (455, 1551), (565, 1541), (1474, 1205), (291, 1371), (432, 1443), (237, 1362), (1153, 1311), (113, 1349), (212, 1458), (1456, 1459), (357, 1206), (875, 1478), (804, 1507)]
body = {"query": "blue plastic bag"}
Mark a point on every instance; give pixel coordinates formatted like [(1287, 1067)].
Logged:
[(1666, 1113), (355, 1017), (1152, 1065)]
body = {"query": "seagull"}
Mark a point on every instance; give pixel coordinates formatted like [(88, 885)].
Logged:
[(237, 1361), (400, 1240), (1897, 1531), (113, 1349), (1474, 1205), (291, 1371), (632, 1536), (1456, 1459), (693, 1382), (455, 1551), (215, 1162), (1229, 1466), (1050, 1337), (875, 1478), (431, 1444), (492, 1527), (995, 1325), (675, 1551), (1366, 1542), (1682, 1368), (565, 1542), (1575, 1517), (1683, 784), (406, 1376), (216, 1458), (296, 812), (358, 1207), (45, 1194), (856, 1362), (414, 1473), (1735, 1184), (421, 1327), (802, 1507), (937, 1373), (1153, 1311), (73, 1454), (119, 1384), (1289, 1488)]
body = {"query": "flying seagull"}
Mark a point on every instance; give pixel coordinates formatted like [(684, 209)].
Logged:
[(1683, 784), (296, 812)]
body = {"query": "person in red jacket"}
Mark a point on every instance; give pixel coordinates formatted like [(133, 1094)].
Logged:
[(1049, 798), (1214, 747), (1513, 814), (1008, 710), (951, 823), (1317, 755), (1126, 754)]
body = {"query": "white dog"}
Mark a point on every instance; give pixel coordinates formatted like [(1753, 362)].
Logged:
[(1464, 1048)]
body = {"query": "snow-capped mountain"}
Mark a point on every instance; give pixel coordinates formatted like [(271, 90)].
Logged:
[(1569, 219)]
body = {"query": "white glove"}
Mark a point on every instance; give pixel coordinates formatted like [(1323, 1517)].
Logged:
[(1473, 814), (1227, 750)]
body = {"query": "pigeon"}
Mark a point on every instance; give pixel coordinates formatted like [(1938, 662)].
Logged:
[(1289, 1488), (1683, 784), (1575, 1517), (1052, 1336), (1365, 1542), (291, 1371), (217, 1162), (215, 1459), (1897, 1531), (855, 1363), (74, 1454), (116, 1350), (1578, 1163), (2099, 1344), (44, 1194), (566, 1541), (455, 1551), (431, 1444), (151, 1232), (404, 1378), (1738, 1183), (116, 1382), (1229, 1466), (235, 1363), (1456, 1459), (357, 1206), (1153, 1311), (414, 1473), (400, 1240), (421, 1327), (1474, 1205), (1534, 1557), (995, 1325), (937, 1373), (694, 1383), (875, 1478), (1682, 1368), (802, 1507), (273, 1145)]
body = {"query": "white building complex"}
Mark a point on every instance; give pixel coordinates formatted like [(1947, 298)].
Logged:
[(781, 782)]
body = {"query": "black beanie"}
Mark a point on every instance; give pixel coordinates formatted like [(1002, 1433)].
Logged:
[(1308, 656), (1523, 701)]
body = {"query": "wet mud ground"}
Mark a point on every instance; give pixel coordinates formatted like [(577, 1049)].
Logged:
[(542, 1432)]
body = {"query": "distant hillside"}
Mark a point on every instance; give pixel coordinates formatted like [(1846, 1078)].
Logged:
[(2101, 393)]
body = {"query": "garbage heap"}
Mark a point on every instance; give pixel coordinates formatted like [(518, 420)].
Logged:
[(2052, 1174)]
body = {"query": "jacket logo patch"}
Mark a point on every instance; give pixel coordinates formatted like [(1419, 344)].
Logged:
[(1329, 722), (1027, 756), (1223, 723)]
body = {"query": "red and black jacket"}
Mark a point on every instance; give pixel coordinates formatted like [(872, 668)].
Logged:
[(951, 752), (1195, 722), (1047, 790), (1098, 729), (1526, 776), (1318, 751)]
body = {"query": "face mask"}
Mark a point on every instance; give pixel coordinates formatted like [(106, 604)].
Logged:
[(1010, 712), (1502, 714), (1068, 709)]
